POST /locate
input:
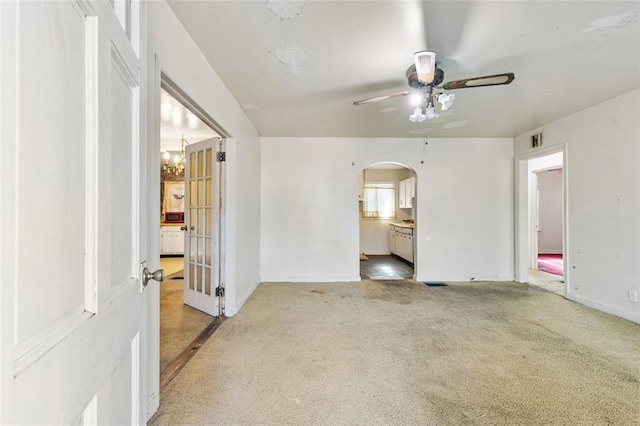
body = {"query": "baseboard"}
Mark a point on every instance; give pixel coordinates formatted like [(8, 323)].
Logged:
[(309, 279), (550, 252), (232, 310), (153, 403), (633, 317), (378, 253), (423, 278)]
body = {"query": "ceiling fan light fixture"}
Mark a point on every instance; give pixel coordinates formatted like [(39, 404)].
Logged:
[(425, 66), (417, 116), (416, 99), (431, 112), (446, 100)]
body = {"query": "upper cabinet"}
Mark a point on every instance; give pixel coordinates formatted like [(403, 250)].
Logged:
[(406, 192)]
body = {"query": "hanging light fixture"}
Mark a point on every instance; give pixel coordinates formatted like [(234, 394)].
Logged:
[(425, 63), (177, 168), (417, 116), (446, 100)]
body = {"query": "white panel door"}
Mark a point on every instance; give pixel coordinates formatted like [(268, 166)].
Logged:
[(71, 307), (203, 204)]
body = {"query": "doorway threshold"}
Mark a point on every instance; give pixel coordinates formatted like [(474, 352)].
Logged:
[(172, 370)]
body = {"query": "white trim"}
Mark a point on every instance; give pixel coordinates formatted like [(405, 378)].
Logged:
[(92, 138), (310, 279), (237, 306), (40, 343), (153, 250), (90, 413), (631, 316), (135, 379)]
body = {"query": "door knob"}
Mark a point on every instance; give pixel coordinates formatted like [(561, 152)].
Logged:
[(155, 275), (183, 228)]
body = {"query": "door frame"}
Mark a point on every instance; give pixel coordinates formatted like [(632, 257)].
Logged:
[(157, 81), (522, 213)]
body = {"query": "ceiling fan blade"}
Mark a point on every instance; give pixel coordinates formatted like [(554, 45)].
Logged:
[(488, 80), (381, 98)]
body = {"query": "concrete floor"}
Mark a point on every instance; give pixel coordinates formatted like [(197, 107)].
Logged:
[(402, 353), (179, 323), (171, 264)]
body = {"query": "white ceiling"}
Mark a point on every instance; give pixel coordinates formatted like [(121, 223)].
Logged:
[(177, 122), (566, 56)]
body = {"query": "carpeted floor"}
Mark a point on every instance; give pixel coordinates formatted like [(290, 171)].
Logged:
[(402, 353)]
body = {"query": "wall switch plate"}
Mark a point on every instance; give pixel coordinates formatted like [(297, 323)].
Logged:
[(633, 296)]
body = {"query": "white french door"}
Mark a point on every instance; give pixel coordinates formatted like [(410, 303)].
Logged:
[(72, 233), (203, 222)]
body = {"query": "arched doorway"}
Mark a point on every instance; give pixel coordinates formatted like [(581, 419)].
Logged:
[(387, 212)]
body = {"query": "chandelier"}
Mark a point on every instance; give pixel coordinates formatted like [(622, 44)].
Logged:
[(177, 168)]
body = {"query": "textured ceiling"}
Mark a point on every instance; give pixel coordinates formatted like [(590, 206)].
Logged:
[(566, 55)]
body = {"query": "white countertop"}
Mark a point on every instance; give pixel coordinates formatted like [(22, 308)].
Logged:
[(403, 225)]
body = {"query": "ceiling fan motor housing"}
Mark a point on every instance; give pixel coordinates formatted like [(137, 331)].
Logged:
[(412, 77)]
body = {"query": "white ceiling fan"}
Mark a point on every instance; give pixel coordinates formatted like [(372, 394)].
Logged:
[(424, 75)]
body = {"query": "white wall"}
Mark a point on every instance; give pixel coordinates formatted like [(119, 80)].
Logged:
[(309, 204), (603, 178), (181, 60), (550, 213), (374, 233)]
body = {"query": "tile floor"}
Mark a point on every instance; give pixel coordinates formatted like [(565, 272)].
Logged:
[(385, 268)]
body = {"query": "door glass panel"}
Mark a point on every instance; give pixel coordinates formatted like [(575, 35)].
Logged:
[(193, 219), (207, 281), (201, 192), (193, 196), (200, 250), (209, 251), (200, 163), (207, 221), (209, 162), (192, 249), (208, 192), (192, 164), (192, 275)]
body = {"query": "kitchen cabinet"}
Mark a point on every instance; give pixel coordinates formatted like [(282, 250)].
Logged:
[(406, 192), (171, 240), (392, 239), (401, 241)]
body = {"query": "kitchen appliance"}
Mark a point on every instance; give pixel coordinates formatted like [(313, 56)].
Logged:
[(174, 217)]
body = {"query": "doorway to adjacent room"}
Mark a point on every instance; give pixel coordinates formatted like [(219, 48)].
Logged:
[(541, 217), (387, 207), (192, 212)]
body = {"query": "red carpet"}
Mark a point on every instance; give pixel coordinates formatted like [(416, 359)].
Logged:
[(550, 263)]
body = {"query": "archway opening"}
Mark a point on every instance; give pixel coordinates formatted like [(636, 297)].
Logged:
[(387, 213)]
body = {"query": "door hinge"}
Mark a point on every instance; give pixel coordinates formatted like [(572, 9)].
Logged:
[(221, 156), (219, 291)]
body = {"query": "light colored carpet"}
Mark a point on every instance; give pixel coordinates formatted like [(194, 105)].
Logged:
[(402, 353), (179, 323), (549, 282)]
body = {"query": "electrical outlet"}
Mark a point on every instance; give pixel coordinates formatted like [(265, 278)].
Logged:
[(633, 296)]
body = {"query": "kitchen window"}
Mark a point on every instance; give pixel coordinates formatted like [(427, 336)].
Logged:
[(379, 201)]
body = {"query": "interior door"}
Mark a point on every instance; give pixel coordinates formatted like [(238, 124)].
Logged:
[(203, 204), (71, 299)]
